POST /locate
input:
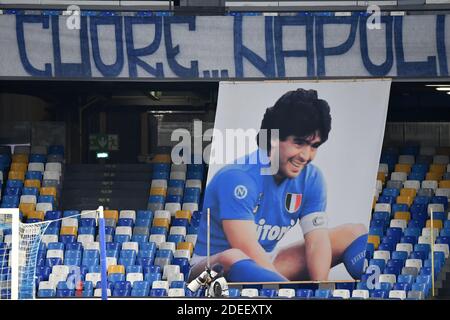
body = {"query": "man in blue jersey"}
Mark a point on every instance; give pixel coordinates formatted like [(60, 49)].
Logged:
[(251, 212)]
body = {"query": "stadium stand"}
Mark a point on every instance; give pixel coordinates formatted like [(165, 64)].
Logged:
[(149, 248)]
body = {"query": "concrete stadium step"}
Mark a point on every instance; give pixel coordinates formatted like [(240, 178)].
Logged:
[(118, 203), (129, 185), (105, 192), (112, 176), (109, 168)]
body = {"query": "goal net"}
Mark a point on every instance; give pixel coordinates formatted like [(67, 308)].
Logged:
[(19, 248)]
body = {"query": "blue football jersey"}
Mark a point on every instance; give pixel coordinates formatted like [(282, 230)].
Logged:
[(241, 192)]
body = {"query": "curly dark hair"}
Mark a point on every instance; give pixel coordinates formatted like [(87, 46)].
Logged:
[(299, 113)]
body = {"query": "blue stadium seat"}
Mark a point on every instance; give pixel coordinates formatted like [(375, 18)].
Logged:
[(143, 222), (176, 184), (13, 192), (46, 293), (88, 289), (33, 175), (178, 284), (125, 222), (122, 289), (399, 207), (413, 231), (178, 222), (417, 208), (420, 168), (323, 293), (53, 215), (75, 246), (172, 198), (234, 292), (140, 289), (152, 276), (175, 238), (424, 200), (27, 191), (144, 214), (379, 293), (422, 255), (156, 199), (50, 262), (184, 265), (148, 246), (44, 272), (115, 277), (63, 291), (86, 230), (70, 213), (386, 199), (402, 286), (269, 293), (396, 233), (387, 246), (140, 238), (399, 255), (194, 175), (38, 158), (161, 167), (87, 222), (121, 238), (442, 200), (304, 293), (391, 192), (56, 150), (12, 183), (423, 287), (378, 262), (158, 230), (420, 176), (381, 215), (158, 293), (55, 246), (152, 269), (145, 261), (422, 247), (11, 200), (409, 239)]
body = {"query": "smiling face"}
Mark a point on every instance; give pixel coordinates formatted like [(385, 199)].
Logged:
[(295, 153)]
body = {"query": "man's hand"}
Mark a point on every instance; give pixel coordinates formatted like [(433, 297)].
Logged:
[(318, 254)]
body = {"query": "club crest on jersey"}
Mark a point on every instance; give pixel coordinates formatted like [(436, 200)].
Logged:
[(293, 202)]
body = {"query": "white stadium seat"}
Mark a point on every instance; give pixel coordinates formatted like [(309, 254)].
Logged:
[(178, 175), (397, 294), (28, 199), (69, 222), (190, 206), (412, 184), (176, 292), (53, 166), (160, 285), (93, 277), (48, 238), (44, 207), (424, 239), (159, 183), (414, 263), (134, 276), (286, 293), (46, 285), (383, 207), (172, 207), (124, 231), (430, 184), (382, 254), (55, 254), (435, 207), (427, 232), (442, 247), (191, 238), (178, 230), (60, 269), (92, 246), (36, 166), (443, 192), (128, 214), (178, 167), (98, 292), (85, 214), (390, 278), (181, 253), (131, 246), (175, 277), (399, 176), (54, 278), (85, 238), (398, 223), (408, 247), (111, 261), (249, 292), (164, 214), (379, 186), (383, 167), (51, 175), (341, 293), (362, 294), (157, 239)]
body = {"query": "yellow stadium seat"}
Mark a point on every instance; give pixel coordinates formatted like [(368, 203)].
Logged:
[(443, 151), (20, 158), (375, 240), (183, 214), (438, 168), (16, 175), (381, 177), (403, 168), (158, 192), (444, 184), (185, 246), (161, 222), (162, 158), (48, 191), (111, 214), (116, 269), (36, 215), (32, 184), (409, 192), (71, 231), (436, 224), (403, 215), (26, 208), (374, 202), (18, 166), (405, 200), (433, 176)]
